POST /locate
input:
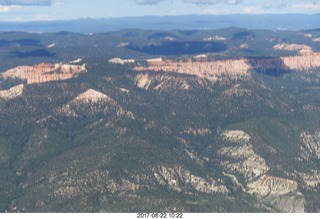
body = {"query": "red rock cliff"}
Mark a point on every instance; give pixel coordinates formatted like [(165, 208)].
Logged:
[(42, 73)]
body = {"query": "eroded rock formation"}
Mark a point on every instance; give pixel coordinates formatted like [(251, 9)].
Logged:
[(210, 70), (180, 180), (291, 47), (12, 93), (249, 171), (235, 68), (42, 73)]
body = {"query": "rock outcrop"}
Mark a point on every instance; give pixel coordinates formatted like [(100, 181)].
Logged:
[(308, 60), (197, 132), (310, 151), (311, 144), (121, 61), (210, 70), (291, 47), (42, 73), (180, 180), (269, 185), (215, 38), (241, 159), (143, 81), (163, 82), (92, 102), (92, 96), (235, 68), (12, 93), (249, 171)]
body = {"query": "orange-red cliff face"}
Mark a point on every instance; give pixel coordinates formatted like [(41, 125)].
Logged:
[(207, 69), (42, 73), (235, 67)]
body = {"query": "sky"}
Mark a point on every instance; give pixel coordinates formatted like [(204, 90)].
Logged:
[(38, 10)]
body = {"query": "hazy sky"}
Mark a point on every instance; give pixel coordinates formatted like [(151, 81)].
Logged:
[(24, 10)]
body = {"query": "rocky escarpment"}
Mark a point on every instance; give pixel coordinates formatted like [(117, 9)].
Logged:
[(210, 70), (235, 68), (250, 172), (12, 93), (42, 73)]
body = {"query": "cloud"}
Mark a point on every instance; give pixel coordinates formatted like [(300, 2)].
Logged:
[(279, 4), (212, 11), (276, 4), (307, 6), (9, 8), (26, 2), (147, 2), (194, 2), (213, 2), (4, 9)]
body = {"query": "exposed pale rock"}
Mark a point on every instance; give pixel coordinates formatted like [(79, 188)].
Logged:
[(121, 45), (316, 40), (12, 93), (91, 102), (237, 136), (270, 185), (169, 38), (311, 179), (305, 62), (248, 171), (308, 35), (241, 159), (92, 96), (206, 69), (311, 107), (51, 45), (234, 68), (215, 38), (290, 203), (244, 46), (236, 91), (201, 56), (311, 144), (178, 179), (291, 47), (121, 61), (155, 60), (76, 61), (195, 157), (197, 132), (143, 81), (165, 82), (42, 73), (125, 91)]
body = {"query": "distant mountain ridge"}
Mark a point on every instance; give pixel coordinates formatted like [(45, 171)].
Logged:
[(183, 22)]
